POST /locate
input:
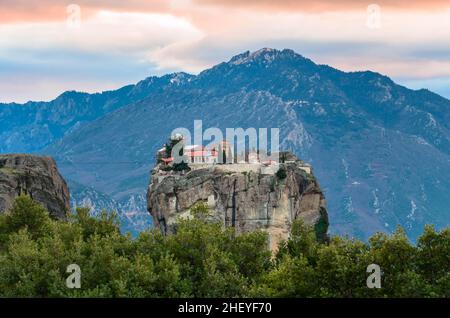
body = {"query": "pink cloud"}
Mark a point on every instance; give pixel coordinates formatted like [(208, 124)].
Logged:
[(190, 35), (46, 10)]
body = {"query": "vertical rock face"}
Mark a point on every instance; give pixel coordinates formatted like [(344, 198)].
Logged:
[(37, 177), (244, 196)]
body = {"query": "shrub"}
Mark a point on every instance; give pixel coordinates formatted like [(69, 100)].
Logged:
[(28, 214), (182, 166), (167, 168), (281, 173)]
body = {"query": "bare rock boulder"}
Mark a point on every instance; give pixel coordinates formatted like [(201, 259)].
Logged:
[(37, 177)]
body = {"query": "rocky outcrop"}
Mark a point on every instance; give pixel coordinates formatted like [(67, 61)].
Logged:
[(244, 196), (37, 177)]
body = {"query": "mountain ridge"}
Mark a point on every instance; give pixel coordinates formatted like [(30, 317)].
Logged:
[(373, 142)]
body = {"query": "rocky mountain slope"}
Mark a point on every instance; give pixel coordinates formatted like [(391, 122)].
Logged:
[(30, 127), (37, 177), (131, 213), (380, 150), (244, 196)]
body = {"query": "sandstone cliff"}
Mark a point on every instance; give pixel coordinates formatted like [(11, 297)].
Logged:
[(245, 196), (37, 177)]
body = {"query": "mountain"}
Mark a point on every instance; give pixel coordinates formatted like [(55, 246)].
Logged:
[(131, 213), (380, 151), (32, 126)]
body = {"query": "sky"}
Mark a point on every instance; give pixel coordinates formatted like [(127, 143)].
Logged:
[(50, 46)]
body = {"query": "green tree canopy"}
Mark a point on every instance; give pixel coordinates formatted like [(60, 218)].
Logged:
[(203, 258)]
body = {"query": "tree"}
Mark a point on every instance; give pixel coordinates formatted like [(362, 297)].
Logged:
[(203, 258), (433, 252), (26, 213), (292, 277), (281, 173), (182, 166), (395, 255), (302, 242), (105, 224)]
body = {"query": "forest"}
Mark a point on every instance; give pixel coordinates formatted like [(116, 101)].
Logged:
[(205, 259)]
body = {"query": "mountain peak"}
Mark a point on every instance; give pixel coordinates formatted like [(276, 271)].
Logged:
[(264, 50), (266, 55), (179, 77), (71, 94)]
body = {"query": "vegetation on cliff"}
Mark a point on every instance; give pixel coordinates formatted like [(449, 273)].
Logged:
[(204, 259)]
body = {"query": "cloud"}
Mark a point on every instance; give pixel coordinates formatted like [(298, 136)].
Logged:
[(407, 43), (105, 31), (43, 75), (21, 88), (39, 60), (191, 35), (45, 9), (55, 10), (327, 5)]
